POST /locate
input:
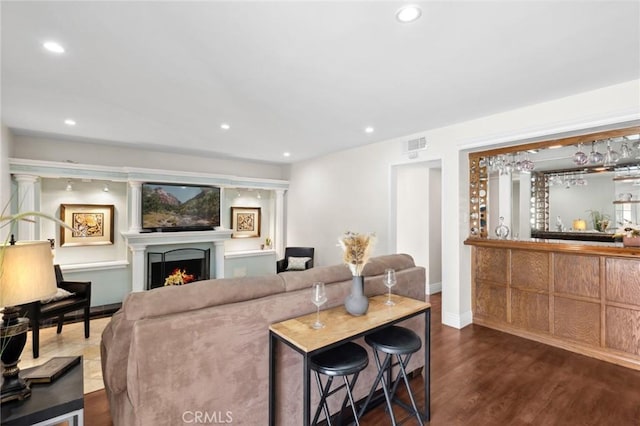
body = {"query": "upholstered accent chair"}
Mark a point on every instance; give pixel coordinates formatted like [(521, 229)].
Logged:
[(296, 259), (63, 303)]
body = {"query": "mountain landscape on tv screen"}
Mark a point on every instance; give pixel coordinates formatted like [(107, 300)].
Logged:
[(161, 208)]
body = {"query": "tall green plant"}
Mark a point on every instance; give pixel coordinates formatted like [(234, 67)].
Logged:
[(600, 220)]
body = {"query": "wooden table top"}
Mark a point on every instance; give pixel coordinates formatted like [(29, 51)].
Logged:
[(339, 324)]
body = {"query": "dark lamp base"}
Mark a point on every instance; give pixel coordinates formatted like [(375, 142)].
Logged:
[(13, 336), (14, 388)]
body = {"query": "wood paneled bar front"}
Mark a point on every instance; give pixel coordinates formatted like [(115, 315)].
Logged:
[(577, 296)]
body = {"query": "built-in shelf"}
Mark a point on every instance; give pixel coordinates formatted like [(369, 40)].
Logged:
[(626, 178), (94, 266), (248, 253), (627, 202)]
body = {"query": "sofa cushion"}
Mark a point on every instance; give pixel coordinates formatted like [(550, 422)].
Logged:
[(398, 262), (198, 295), (297, 263)]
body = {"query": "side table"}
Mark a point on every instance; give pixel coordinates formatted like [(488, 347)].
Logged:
[(49, 403)]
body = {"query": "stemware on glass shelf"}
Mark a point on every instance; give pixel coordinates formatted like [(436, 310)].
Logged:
[(580, 158), (319, 298), (611, 157), (594, 156), (389, 281), (625, 151)]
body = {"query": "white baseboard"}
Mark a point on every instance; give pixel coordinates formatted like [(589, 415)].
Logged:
[(435, 288), (457, 321)]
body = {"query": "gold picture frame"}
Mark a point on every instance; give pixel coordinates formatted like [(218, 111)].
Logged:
[(91, 224), (245, 222)]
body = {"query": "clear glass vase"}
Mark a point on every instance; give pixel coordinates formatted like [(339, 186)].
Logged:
[(502, 230)]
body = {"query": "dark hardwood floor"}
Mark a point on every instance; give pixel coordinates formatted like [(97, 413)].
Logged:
[(485, 377)]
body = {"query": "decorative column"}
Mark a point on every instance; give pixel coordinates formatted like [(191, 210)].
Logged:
[(219, 258), (135, 206), (279, 237), (137, 266), (26, 203)]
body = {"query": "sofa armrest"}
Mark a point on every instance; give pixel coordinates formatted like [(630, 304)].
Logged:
[(308, 264), (281, 265)]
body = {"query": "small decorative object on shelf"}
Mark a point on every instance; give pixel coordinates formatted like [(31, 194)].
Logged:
[(631, 241), (502, 230), (625, 196), (357, 250), (559, 225), (630, 233), (579, 225), (267, 243)]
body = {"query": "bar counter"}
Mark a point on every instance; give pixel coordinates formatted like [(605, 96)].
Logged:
[(579, 296)]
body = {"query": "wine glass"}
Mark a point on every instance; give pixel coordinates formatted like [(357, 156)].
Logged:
[(594, 156), (611, 157), (389, 281), (318, 297), (580, 158)]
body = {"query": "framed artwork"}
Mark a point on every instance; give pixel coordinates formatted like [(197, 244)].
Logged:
[(92, 224), (245, 222)]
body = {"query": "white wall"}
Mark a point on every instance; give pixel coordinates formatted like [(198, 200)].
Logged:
[(412, 212), (38, 148), (350, 190)]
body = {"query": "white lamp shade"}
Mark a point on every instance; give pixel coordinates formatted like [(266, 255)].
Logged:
[(26, 273)]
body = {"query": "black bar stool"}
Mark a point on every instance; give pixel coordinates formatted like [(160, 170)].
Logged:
[(344, 360), (402, 343)]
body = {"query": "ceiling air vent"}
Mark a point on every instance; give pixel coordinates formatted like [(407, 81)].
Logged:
[(414, 146)]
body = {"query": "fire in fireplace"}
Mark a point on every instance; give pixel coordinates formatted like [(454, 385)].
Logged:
[(177, 267)]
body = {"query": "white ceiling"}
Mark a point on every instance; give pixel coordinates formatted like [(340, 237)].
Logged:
[(304, 77)]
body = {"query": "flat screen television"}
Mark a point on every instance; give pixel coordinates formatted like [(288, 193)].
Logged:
[(175, 207)]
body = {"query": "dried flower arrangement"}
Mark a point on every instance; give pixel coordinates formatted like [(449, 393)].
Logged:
[(357, 250), (627, 229)]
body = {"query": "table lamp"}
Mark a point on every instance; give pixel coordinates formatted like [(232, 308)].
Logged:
[(26, 275)]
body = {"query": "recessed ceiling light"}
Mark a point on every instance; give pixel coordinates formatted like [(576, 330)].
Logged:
[(408, 13), (70, 122), (53, 46), (287, 154), (225, 126), (368, 129)]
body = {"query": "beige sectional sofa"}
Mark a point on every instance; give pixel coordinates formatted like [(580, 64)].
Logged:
[(175, 353)]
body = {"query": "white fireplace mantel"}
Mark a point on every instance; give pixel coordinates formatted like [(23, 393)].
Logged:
[(139, 241)]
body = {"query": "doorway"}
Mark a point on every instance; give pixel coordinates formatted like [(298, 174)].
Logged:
[(416, 216)]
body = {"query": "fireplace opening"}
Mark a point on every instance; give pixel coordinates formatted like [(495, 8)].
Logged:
[(177, 267)]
